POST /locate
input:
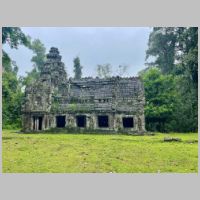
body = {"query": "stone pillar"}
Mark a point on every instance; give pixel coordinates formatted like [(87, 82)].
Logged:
[(27, 122), (43, 123), (141, 123), (67, 120), (90, 121), (111, 121), (95, 121), (53, 121), (48, 122), (135, 118), (37, 122), (118, 122), (32, 123), (71, 121)]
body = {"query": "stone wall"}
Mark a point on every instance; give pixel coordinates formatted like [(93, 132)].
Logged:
[(53, 96)]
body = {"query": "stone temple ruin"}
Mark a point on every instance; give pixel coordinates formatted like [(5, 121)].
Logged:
[(112, 104)]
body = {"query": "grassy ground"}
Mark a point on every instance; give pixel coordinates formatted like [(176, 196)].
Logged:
[(61, 153)]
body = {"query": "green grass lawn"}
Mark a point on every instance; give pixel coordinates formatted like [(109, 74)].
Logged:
[(27, 153)]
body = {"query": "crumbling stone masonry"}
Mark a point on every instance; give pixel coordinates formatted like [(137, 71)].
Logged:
[(112, 104)]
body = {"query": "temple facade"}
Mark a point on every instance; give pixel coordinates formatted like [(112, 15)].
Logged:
[(113, 104)]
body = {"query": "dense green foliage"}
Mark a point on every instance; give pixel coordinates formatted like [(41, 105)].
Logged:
[(171, 92), (11, 86), (160, 99), (66, 153), (38, 60), (12, 93), (11, 99), (77, 68)]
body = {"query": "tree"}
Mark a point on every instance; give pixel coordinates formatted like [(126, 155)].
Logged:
[(77, 68), (185, 115), (105, 71), (38, 60), (30, 77), (40, 54), (188, 54), (121, 70), (11, 100), (187, 72), (14, 37), (162, 46), (11, 90), (175, 50), (160, 99)]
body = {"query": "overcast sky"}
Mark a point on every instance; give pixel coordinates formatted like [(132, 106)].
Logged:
[(93, 45)]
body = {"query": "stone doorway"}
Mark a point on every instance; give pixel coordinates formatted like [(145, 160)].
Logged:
[(103, 121), (128, 122), (60, 121), (81, 121), (37, 123)]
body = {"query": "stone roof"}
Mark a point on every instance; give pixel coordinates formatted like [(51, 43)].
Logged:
[(59, 94), (105, 88)]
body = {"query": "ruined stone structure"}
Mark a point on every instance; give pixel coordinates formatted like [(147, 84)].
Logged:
[(110, 104)]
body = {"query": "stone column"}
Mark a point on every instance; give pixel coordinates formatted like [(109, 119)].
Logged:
[(32, 123), (37, 127), (71, 121), (141, 123), (135, 118), (94, 121), (43, 123), (118, 122), (111, 121), (67, 120)]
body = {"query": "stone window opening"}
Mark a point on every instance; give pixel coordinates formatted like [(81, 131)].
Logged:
[(60, 121), (103, 100), (103, 121), (81, 121), (128, 122)]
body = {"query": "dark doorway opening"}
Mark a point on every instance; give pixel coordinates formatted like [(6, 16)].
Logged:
[(37, 123), (40, 123), (60, 121), (103, 121), (81, 121), (128, 122)]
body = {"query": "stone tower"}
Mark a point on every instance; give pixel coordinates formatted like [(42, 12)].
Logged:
[(38, 95)]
